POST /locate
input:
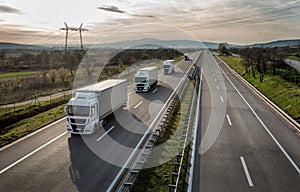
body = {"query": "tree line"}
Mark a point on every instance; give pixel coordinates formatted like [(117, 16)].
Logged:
[(268, 60), (57, 68)]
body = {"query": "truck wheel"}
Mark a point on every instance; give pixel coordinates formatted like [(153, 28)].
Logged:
[(103, 122)]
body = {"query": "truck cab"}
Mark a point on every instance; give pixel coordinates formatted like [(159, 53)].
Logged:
[(145, 79), (168, 67), (186, 57), (82, 113)]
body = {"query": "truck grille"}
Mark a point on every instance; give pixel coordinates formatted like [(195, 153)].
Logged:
[(78, 121)]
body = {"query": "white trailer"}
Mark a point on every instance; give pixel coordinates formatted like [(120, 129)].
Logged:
[(93, 105), (169, 67), (145, 79)]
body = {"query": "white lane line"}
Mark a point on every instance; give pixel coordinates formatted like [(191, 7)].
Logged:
[(222, 99), (262, 123), (228, 119), (138, 104), (218, 87), (214, 75), (246, 172), (31, 153), (101, 137), (154, 90), (215, 80)]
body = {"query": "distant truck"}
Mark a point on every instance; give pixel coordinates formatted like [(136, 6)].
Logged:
[(186, 57), (145, 79), (169, 67), (93, 105)]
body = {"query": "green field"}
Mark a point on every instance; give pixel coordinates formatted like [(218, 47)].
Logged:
[(278, 90), (17, 74)]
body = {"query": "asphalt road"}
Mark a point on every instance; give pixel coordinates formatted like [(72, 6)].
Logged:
[(53, 160), (250, 147)]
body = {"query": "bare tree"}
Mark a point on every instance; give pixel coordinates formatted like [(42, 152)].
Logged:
[(52, 75)]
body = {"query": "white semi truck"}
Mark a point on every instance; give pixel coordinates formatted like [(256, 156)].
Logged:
[(169, 67), (92, 106), (145, 79), (186, 57)]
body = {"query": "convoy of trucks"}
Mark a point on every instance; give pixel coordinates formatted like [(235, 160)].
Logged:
[(93, 105), (145, 79), (168, 67)]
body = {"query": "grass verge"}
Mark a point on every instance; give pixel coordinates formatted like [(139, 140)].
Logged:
[(281, 92), (31, 124)]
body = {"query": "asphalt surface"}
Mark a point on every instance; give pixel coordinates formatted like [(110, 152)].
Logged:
[(53, 160), (253, 150)]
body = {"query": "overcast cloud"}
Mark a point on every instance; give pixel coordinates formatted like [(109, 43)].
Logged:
[(235, 21)]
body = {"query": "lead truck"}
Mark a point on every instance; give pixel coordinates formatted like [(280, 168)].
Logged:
[(145, 79), (92, 105)]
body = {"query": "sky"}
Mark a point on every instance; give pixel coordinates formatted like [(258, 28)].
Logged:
[(232, 21)]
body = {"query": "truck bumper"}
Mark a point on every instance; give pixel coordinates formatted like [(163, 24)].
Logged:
[(79, 129)]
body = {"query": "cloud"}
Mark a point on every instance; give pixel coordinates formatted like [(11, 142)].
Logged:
[(8, 9), (111, 9)]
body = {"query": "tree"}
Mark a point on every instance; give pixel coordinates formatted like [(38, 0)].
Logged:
[(52, 75), (223, 49), (62, 73)]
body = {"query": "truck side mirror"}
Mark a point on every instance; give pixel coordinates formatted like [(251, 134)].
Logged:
[(65, 109)]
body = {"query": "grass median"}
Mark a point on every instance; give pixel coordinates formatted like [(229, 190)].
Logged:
[(283, 93), (159, 177)]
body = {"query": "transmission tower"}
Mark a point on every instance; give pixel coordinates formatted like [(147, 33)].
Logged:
[(67, 28)]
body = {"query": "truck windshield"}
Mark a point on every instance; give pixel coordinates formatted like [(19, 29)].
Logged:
[(140, 79), (74, 110), (166, 66)]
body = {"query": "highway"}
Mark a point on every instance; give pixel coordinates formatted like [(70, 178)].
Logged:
[(243, 144), (53, 160)]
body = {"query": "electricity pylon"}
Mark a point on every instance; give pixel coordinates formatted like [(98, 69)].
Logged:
[(67, 28)]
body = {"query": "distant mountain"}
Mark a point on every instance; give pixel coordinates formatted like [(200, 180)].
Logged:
[(9, 46), (148, 43), (278, 43), (156, 43)]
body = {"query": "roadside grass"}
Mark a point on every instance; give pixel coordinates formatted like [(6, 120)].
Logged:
[(19, 121), (294, 57), (159, 177), (281, 92), (31, 124)]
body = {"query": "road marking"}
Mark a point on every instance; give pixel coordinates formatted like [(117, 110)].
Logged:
[(246, 172), (222, 99), (262, 123), (215, 80), (218, 87), (228, 119), (154, 90), (214, 75), (33, 152), (101, 137), (138, 104)]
